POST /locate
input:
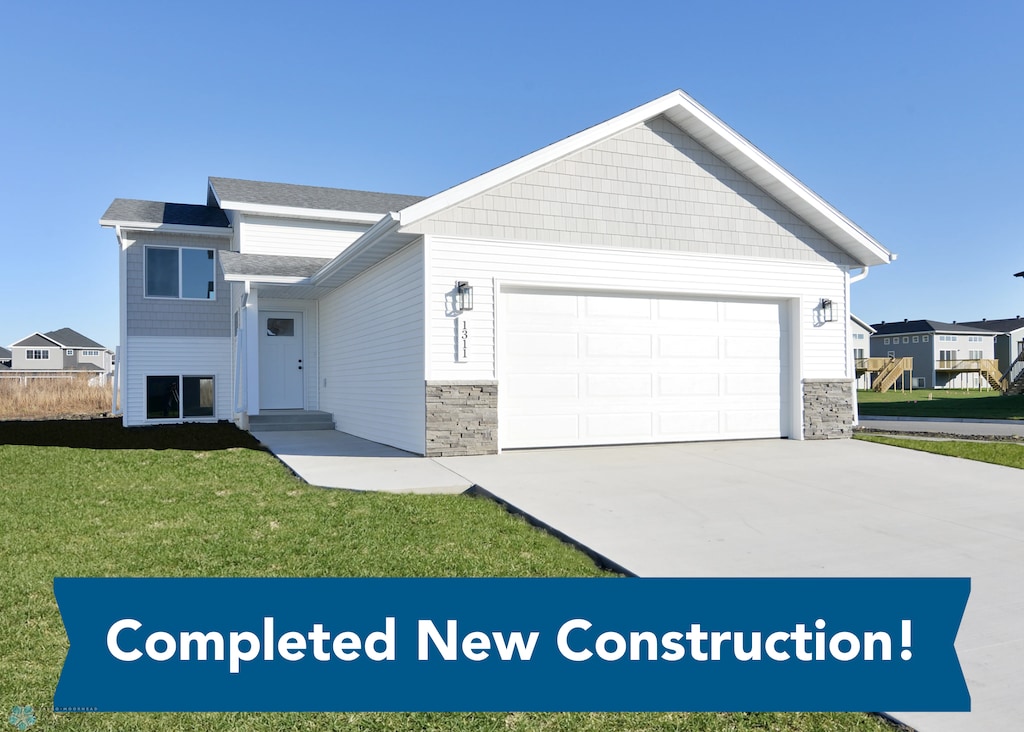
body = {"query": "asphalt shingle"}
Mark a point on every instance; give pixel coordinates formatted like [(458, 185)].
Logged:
[(308, 197)]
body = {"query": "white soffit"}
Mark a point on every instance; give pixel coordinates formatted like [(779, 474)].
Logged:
[(687, 114)]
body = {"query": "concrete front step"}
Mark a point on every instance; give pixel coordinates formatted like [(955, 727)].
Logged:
[(290, 420)]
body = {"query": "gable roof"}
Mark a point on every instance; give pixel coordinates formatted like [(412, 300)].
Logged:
[(1003, 326), (73, 339), (131, 212), (687, 114), (62, 338), (927, 326), (283, 198), (5, 354)]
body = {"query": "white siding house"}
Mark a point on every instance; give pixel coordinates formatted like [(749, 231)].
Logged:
[(653, 278)]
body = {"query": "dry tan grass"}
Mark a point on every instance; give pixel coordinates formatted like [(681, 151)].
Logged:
[(41, 398)]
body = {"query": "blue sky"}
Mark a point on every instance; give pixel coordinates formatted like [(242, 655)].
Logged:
[(904, 115)]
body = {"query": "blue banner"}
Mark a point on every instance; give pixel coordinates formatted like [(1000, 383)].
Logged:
[(611, 644)]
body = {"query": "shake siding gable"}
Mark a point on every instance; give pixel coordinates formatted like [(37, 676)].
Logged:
[(287, 237), (371, 352), (650, 187)]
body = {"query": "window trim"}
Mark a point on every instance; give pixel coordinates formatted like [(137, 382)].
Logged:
[(179, 296), (37, 354)]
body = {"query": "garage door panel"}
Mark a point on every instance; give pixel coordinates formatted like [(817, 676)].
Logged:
[(753, 347), (618, 308), (551, 345), (684, 425), (619, 427), (542, 386), (692, 384), (688, 310), (694, 346), (616, 345), (618, 385), (752, 422), (614, 369)]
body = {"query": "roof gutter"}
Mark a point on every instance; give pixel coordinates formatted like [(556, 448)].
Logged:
[(864, 271), (387, 225)]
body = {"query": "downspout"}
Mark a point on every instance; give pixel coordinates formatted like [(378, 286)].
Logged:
[(849, 347)]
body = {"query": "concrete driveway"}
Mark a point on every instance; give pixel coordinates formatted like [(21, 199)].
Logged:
[(771, 508), (799, 509)]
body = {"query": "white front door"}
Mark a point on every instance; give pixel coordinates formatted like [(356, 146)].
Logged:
[(281, 372)]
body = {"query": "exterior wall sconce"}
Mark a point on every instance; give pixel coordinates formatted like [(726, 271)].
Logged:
[(464, 296), (827, 314)]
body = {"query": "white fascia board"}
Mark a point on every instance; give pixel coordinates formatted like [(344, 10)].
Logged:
[(166, 228), (267, 279), (293, 212), (695, 120)]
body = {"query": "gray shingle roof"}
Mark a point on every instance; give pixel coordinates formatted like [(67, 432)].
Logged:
[(309, 197), (924, 326), (4, 353), (158, 212), (234, 263), (1002, 326), (73, 339), (64, 337)]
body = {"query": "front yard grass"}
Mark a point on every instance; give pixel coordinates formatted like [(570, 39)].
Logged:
[(956, 403), (239, 512), (1000, 453)]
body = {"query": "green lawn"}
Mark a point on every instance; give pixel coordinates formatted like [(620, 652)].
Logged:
[(238, 512), (941, 403), (1000, 453)]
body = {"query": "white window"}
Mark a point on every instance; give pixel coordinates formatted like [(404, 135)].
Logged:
[(976, 339), (973, 355), (914, 339), (924, 339), (906, 339), (886, 341), (947, 355), (180, 273), (69, 352), (39, 354), (858, 336), (177, 397), (90, 353)]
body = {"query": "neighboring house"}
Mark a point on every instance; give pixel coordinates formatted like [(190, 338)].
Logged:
[(1009, 344), (860, 337), (60, 350), (5, 358), (653, 278), (946, 355)]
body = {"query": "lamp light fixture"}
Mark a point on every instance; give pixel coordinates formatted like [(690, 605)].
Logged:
[(827, 313), (464, 296)]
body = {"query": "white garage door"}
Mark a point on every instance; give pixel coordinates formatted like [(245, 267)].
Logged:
[(596, 369)]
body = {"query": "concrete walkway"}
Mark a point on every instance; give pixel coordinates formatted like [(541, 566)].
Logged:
[(946, 426), (337, 460), (775, 508)]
